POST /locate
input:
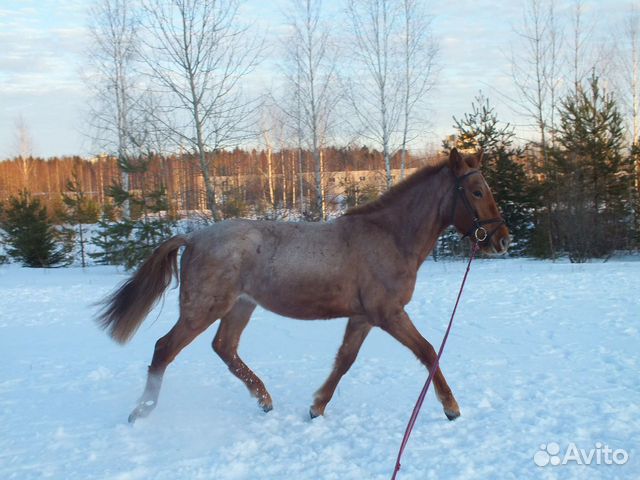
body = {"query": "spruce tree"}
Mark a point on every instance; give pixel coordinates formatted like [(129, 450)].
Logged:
[(502, 166), (593, 208), (80, 210), (129, 241), (30, 236)]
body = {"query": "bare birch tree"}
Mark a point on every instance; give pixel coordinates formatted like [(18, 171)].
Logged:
[(630, 61), (536, 74), (376, 87), (535, 67), (311, 78), (583, 56), (419, 50), (112, 57), (24, 149), (299, 134), (586, 53), (553, 78), (578, 43), (631, 68), (268, 143), (311, 74), (197, 53)]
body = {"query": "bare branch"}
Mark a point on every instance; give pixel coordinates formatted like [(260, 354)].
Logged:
[(197, 54)]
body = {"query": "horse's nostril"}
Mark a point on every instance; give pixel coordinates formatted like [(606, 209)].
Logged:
[(504, 243)]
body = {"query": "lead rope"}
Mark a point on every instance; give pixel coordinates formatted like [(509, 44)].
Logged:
[(434, 368)]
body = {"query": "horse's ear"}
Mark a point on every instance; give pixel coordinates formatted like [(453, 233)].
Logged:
[(456, 162), (474, 161)]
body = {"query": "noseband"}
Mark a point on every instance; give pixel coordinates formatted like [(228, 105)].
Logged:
[(477, 232)]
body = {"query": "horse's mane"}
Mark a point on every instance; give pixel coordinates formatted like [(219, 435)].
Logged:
[(398, 189)]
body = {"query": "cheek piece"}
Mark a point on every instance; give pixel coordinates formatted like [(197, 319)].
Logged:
[(478, 232)]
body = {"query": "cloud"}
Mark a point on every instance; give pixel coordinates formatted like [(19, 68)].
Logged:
[(43, 44), (42, 48)]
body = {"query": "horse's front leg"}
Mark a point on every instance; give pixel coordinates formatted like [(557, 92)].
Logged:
[(356, 332), (402, 329)]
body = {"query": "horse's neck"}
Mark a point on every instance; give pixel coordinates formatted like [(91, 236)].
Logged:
[(420, 215)]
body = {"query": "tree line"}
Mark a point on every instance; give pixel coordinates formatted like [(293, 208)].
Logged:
[(580, 200), (171, 106), (265, 178)]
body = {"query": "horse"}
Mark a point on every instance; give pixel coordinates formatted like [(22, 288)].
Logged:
[(361, 265)]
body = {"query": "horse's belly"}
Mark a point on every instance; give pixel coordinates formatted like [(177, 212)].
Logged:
[(308, 302), (302, 276), (310, 311)]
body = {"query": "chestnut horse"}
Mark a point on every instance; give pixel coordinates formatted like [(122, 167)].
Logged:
[(362, 265)]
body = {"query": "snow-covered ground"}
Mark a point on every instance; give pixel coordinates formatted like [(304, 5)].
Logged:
[(540, 353)]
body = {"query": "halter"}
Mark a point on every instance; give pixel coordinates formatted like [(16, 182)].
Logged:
[(477, 232)]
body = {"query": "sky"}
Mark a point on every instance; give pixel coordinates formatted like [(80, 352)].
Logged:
[(43, 46)]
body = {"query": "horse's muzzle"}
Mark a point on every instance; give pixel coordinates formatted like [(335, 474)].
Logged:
[(500, 241)]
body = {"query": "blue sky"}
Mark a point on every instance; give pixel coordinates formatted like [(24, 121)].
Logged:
[(42, 44)]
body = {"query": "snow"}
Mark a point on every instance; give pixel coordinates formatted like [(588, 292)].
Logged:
[(540, 352)]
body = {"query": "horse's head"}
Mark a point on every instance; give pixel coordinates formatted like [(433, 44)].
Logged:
[(474, 212)]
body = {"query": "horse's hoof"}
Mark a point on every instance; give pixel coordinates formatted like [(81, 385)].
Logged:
[(141, 411), (313, 413), (452, 415), (265, 402)]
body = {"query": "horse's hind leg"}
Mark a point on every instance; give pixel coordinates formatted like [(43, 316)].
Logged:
[(402, 329), (166, 349), (356, 332), (196, 316), (225, 344)]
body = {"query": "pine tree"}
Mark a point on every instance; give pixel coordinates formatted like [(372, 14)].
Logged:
[(502, 167), (592, 177), (31, 237), (80, 210), (113, 240), (129, 241)]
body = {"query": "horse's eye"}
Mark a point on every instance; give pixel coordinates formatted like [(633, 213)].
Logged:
[(477, 194)]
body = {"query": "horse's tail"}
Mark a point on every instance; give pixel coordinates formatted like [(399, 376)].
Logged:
[(125, 309)]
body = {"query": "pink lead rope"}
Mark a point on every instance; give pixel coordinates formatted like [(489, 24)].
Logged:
[(434, 369)]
